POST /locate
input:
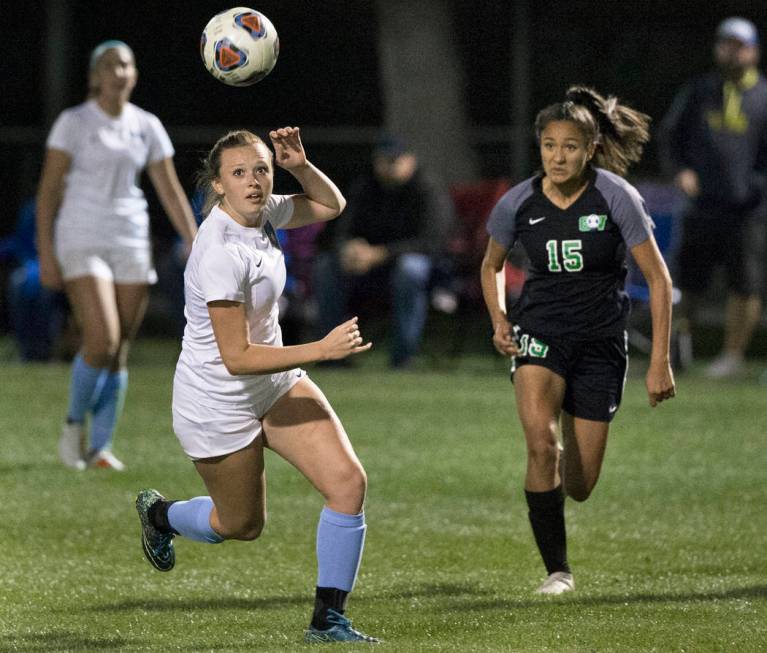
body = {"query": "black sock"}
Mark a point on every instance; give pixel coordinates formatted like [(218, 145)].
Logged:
[(327, 598), (158, 516), (547, 517)]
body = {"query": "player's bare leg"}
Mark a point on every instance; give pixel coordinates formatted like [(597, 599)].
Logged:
[(303, 428), (584, 449), (539, 394)]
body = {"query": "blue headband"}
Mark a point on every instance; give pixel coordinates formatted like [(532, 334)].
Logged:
[(101, 48)]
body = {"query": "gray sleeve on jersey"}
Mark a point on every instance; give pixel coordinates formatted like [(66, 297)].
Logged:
[(279, 210), (627, 208), (501, 223)]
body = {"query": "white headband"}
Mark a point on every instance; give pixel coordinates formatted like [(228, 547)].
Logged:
[(101, 48)]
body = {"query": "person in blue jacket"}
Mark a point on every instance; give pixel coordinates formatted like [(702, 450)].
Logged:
[(37, 314)]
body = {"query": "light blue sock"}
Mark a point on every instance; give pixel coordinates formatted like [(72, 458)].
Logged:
[(340, 540), (84, 384), (107, 409), (192, 519)]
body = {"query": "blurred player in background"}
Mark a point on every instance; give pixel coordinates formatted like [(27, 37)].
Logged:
[(238, 390), (713, 142), (93, 239), (567, 333)]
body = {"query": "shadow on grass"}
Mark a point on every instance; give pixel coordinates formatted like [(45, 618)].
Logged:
[(455, 596), (61, 640), (231, 603), (463, 597)]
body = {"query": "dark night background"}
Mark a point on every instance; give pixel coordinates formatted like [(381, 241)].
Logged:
[(328, 75)]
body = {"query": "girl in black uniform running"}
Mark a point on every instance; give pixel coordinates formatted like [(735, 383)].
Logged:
[(566, 335)]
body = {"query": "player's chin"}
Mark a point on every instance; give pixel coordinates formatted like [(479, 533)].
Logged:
[(255, 203)]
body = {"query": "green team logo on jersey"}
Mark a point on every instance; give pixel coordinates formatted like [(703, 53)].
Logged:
[(592, 222)]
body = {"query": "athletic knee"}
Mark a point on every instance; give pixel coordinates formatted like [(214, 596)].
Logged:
[(354, 483), (543, 450), (101, 351), (348, 489), (246, 528), (578, 491), (412, 271)]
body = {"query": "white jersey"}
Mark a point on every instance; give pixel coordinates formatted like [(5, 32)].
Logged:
[(103, 205), (236, 263)]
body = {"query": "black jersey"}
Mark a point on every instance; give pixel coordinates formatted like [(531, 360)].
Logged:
[(574, 286)]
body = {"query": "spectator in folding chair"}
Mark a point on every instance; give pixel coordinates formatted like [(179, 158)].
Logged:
[(384, 246), (713, 143)]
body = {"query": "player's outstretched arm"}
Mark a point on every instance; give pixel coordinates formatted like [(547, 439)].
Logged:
[(321, 200), (240, 356)]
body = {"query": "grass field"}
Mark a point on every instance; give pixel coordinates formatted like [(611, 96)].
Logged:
[(668, 554)]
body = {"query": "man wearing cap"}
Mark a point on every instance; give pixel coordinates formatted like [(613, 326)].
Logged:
[(382, 248), (713, 142)]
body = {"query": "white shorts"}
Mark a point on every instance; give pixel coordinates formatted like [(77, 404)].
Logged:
[(120, 265), (206, 430)]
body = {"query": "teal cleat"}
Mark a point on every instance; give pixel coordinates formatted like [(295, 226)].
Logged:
[(340, 631), (158, 547)]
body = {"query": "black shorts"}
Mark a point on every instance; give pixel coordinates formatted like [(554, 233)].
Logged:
[(737, 241), (594, 371)]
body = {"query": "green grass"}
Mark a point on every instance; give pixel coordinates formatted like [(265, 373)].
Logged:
[(668, 553)]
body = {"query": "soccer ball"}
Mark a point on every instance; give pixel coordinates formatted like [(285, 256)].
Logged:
[(239, 46)]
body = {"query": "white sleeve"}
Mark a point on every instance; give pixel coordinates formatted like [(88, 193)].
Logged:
[(279, 210), (221, 275), (65, 133), (160, 146)]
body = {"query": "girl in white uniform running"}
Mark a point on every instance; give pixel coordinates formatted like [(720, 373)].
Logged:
[(93, 239), (237, 390)]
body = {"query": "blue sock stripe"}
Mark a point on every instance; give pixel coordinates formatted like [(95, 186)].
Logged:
[(340, 542), (192, 520), (85, 382), (113, 381), (107, 410)]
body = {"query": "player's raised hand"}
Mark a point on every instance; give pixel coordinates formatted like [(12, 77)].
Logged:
[(288, 150), (344, 340)]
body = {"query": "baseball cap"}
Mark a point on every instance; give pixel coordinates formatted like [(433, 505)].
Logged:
[(739, 29)]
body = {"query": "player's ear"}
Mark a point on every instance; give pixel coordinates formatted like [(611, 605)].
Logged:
[(217, 186)]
